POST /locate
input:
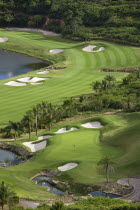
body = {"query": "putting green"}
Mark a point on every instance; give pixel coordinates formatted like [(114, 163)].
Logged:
[(119, 140), (83, 68)]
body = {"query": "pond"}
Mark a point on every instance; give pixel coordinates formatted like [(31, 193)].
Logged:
[(104, 194), (8, 158), (42, 181), (13, 64)]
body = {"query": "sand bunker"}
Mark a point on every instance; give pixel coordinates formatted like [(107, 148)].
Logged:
[(47, 33), (31, 79), (90, 48), (3, 39), (56, 51), (13, 83), (34, 146), (44, 137), (64, 130), (43, 72), (68, 166), (92, 125), (37, 83)]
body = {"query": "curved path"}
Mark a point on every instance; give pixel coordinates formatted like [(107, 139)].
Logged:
[(135, 182)]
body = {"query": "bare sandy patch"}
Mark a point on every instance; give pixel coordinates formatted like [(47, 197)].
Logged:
[(4, 39), (43, 72), (68, 166), (14, 83), (55, 51), (90, 48), (34, 146), (95, 124), (31, 79), (64, 130), (44, 137)]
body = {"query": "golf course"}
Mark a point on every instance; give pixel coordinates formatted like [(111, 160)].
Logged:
[(82, 69), (118, 137)]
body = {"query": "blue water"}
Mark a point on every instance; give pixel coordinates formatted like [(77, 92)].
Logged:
[(7, 155), (103, 194), (52, 189), (13, 64)]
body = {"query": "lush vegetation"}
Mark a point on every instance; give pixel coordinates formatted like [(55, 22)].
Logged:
[(82, 69), (93, 203), (118, 138), (109, 19)]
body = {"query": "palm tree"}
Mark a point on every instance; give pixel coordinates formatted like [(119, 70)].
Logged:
[(36, 115), (15, 128), (96, 86), (27, 121), (110, 78), (107, 164), (7, 196)]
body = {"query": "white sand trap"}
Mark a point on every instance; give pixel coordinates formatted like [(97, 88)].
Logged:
[(47, 33), (64, 130), (3, 39), (13, 83), (90, 48), (43, 72), (37, 146), (68, 166), (56, 51), (31, 80), (44, 137), (37, 83), (95, 124)]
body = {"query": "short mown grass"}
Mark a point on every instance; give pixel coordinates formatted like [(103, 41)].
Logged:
[(85, 147), (82, 69)]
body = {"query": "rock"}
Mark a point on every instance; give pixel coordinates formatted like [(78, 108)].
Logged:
[(17, 149)]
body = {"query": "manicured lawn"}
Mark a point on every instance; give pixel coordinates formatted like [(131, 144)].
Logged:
[(83, 68), (120, 141)]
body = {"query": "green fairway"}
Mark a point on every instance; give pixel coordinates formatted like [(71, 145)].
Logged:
[(83, 68), (86, 147)]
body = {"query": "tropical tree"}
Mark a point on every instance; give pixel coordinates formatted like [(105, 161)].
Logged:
[(15, 129), (36, 116), (7, 196), (96, 86), (111, 79), (108, 165), (27, 122)]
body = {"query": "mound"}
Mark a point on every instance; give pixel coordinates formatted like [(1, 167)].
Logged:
[(68, 166), (90, 48), (92, 125)]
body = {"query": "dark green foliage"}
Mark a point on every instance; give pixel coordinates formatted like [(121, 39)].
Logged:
[(111, 19)]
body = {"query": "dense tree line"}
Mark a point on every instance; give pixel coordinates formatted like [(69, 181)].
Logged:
[(108, 94), (109, 19)]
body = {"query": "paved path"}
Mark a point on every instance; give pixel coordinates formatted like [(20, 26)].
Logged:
[(135, 182), (29, 204)]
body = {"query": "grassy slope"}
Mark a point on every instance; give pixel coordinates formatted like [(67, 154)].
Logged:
[(82, 69), (121, 145)]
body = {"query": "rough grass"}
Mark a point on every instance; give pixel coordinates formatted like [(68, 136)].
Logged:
[(83, 68), (86, 147)]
